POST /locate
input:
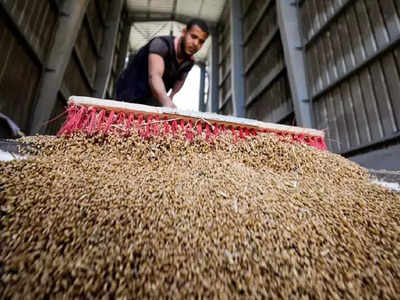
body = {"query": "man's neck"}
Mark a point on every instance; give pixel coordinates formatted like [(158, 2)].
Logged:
[(180, 56)]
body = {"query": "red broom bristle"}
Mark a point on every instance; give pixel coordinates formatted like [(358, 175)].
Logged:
[(208, 132), (156, 127), (199, 127), (92, 121), (189, 131), (140, 120), (131, 119), (174, 127), (166, 126), (216, 130), (100, 120)]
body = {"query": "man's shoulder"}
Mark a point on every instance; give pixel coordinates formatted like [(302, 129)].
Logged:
[(167, 39), (162, 45)]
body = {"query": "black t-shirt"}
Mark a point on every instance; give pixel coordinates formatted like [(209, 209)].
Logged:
[(133, 84)]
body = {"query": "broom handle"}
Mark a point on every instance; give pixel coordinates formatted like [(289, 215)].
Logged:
[(172, 113)]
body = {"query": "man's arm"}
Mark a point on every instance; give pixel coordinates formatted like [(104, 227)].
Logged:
[(156, 71), (178, 85)]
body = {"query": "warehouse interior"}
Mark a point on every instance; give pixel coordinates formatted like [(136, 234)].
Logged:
[(329, 65), (283, 184)]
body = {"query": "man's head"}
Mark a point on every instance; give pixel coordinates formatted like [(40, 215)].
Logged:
[(194, 36)]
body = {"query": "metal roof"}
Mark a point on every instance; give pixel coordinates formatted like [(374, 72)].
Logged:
[(162, 17)]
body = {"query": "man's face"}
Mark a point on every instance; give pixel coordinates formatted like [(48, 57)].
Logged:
[(193, 39)]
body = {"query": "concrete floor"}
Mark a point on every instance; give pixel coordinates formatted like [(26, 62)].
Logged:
[(383, 159), (7, 156)]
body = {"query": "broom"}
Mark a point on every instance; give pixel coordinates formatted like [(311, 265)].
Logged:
[(94, 116)]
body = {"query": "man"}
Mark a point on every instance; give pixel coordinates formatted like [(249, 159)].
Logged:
[(160, 65)]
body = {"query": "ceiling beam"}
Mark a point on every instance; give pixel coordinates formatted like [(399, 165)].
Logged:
[(201, 7), (166, 17), (148, 8), (174, 5)]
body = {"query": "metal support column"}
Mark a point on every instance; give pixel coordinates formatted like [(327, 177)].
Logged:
[(212, 105), (124, 46), (289, 25), (67, 31), (202, 106), (105, 63), (238, 87)]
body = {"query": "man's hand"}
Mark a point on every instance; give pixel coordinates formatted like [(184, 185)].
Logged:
[(172, 105), (156, 71), (177, 86)]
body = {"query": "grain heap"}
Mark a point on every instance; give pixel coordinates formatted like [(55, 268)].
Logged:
[(133, 218)]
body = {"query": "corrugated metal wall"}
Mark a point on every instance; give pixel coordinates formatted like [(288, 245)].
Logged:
[(26, 30), (80, 74), (267, 89), (268, 96), (353, 56)]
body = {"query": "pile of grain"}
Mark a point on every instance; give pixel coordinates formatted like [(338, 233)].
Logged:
[(129, 218)]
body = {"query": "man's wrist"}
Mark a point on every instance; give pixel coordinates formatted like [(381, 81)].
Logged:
[(166, 101)]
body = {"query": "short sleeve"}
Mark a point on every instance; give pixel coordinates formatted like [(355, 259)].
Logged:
[(159, 46), (186, 69)]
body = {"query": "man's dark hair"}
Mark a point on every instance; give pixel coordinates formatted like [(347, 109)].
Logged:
[(199, 22)]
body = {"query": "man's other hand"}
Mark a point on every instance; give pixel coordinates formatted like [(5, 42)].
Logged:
[(170, 104)]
